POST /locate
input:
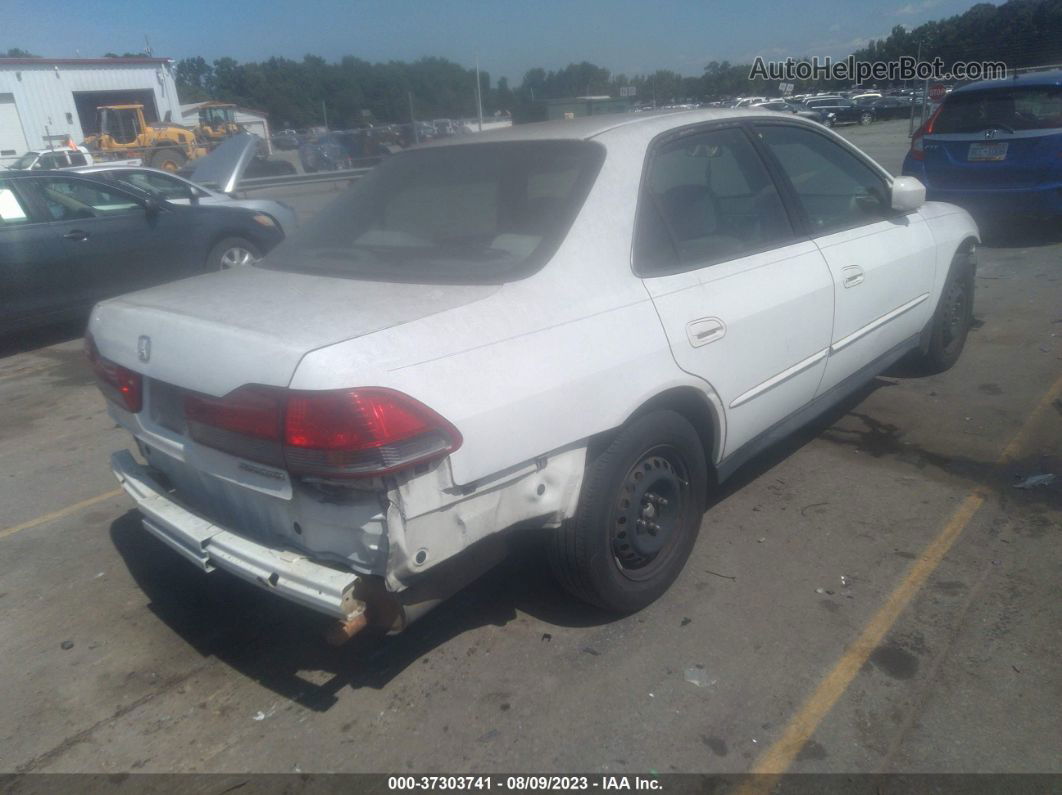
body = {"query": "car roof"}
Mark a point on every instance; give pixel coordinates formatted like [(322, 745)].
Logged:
[(1048, 78), (97, 167), (584, 128)]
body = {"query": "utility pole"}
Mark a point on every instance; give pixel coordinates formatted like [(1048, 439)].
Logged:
[(479, 98), (910, 126), (412, 120), (147, 45), (324, 112)]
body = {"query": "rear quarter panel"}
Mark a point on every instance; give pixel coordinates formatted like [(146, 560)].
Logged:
[(567, 353)]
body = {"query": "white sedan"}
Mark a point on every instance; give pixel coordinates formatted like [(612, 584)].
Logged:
[(575, 328)]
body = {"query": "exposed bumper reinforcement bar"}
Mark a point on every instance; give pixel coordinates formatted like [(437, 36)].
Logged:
[(287, 573)]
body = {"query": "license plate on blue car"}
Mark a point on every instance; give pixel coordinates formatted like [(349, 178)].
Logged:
[(992, 151)]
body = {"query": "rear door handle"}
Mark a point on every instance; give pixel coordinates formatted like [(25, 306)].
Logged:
[(76, 234), (707, 329), (851, 276)]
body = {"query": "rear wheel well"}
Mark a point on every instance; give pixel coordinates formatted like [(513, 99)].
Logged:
[(686, 401)]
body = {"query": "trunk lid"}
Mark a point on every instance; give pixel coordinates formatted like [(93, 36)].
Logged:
[(216, 332)]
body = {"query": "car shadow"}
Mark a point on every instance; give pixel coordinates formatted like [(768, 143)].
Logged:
[(35, 339), (273, 642), (1019, 232)]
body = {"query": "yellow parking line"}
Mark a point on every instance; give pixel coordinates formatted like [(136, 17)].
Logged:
[(779, 756), (51, 517)]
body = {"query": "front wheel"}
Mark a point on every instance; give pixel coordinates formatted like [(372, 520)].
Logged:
[(639, 512), (233, 252), (951, 322), (865, 119)]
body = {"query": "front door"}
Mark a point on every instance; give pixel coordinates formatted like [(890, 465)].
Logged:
[(115, 245), (882, 263)]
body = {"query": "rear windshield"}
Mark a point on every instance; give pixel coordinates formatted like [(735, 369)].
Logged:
[(475, 213), (1008, 109)]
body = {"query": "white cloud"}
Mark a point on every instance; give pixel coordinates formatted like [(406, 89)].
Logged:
[(910, 9)]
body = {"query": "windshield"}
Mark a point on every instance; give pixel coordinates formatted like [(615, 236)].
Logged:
[(26, 161), (475, 213), (1010, 109)]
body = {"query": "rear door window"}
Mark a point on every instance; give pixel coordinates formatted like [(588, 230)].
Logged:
[(707, 197), (75, 199), (50, 160)]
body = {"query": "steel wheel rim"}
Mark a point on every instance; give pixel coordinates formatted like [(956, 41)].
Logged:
[(237, 257), (648, 513)]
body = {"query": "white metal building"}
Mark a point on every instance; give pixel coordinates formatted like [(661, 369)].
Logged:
[(255, 122), (45, 100)]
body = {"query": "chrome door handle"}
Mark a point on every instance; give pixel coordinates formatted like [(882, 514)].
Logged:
[(76, 234), (707, 329), (851, 276)]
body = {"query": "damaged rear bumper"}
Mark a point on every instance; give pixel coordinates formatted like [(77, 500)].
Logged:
[(287, 573)]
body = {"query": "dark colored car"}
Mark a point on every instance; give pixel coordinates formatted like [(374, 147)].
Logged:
[(286, 139), (844, 110), (343, 149), (994, 147), (887, 107), (69, 240)]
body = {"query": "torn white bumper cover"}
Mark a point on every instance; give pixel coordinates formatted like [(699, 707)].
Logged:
[(285, 572)]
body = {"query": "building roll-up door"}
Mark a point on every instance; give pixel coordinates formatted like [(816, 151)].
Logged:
[(12, 136)]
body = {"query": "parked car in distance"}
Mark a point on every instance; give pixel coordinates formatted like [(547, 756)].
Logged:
[(519, 330), (444, 128), (68, 240), (842, 111), (993, 147), (286, 139), (887, 107), (784, 106), (178, 190), (46, 159)]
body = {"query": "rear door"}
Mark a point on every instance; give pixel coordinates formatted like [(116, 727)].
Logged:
[(35, 282), (746, 304), (999, 138), (882, 263)]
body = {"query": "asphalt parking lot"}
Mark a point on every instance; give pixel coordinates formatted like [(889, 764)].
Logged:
[(874, 594)]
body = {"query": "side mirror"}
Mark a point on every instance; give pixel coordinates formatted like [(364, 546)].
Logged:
[(152, 206), (907, 194)]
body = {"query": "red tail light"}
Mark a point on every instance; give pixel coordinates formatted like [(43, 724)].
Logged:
[(117, 383), (918, 151), (337, 433)]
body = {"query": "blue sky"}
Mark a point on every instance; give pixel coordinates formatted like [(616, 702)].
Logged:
[(622, 35)]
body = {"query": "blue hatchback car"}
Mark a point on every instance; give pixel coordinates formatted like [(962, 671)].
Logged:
[(995, 147)]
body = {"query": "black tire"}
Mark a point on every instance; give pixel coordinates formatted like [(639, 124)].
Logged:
[(952, 319), (828, 122), (169, 159), (865, 119), (221, 256), (652, 475)]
